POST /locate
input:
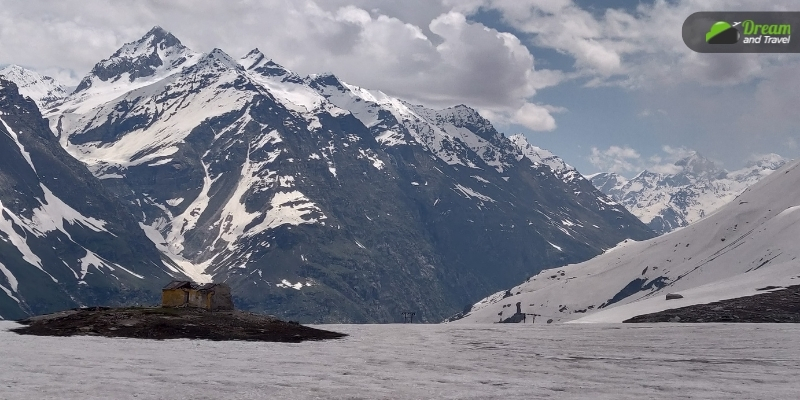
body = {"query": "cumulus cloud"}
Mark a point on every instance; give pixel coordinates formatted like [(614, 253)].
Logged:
[(621, 160), (535, 117), (641, 48), (439, 58), (626, 161)]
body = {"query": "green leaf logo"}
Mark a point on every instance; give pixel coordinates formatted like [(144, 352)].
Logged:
[(722, 33)]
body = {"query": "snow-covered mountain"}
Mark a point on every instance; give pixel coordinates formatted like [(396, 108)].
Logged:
[(319, 200), (747, 245), (65, 240), (44, 90), (666, 202)]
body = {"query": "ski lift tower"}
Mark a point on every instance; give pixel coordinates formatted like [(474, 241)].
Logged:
[(408, 317)]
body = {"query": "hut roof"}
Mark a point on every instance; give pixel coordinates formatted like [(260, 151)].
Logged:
[(191, 285), (177, 285), (205, 286)]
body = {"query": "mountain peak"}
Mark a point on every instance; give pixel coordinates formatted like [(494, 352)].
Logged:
[(157, 31), (538, 155), (12, 69), (154, 41), (157, 52), (253, 59), (44, 90), (463, 111), (519, 140), (218, 58), (325, 79), (770, 161), (256, 61), (607, 181), (696, 164)]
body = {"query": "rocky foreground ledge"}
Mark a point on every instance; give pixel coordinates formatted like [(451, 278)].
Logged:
[(170, 323), (775, 305)]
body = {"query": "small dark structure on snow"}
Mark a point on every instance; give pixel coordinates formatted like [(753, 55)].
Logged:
[(674, 296), (519, 316), (208, 296), (408, 317)]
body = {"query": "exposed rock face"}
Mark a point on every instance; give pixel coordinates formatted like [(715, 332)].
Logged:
[(64, 239)]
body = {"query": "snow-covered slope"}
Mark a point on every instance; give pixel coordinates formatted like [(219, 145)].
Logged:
[(319, 200), (666, 202), (748, 244), (44, 90), (64, 240)]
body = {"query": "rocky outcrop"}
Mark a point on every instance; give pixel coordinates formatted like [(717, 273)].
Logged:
[(777, 304)]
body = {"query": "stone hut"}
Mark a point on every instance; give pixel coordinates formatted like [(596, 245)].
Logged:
[(208, 296)]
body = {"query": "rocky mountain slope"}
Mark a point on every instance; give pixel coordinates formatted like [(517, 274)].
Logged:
[(666, 202), (746, 247), (65, 240), (43, 90), (320, 201)]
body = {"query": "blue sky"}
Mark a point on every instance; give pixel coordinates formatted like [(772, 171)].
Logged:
[(607, 85), (646, 120)]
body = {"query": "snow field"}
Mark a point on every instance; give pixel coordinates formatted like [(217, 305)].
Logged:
[(718, 361)]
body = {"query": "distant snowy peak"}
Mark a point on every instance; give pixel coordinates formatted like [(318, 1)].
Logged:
[(157, 54), (44, 90), (769, 161), (607, 181), (252, 59), (696, 188), (326, 80), (460, 115), (217, 60), (287, 87), (257, 62), (538, 155), (700, 167), (375, 109)]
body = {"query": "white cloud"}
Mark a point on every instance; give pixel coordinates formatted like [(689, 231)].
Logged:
[(439, 59), (621, 160), (625, 160), (677, 153), (535, 117), (635, 49)]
